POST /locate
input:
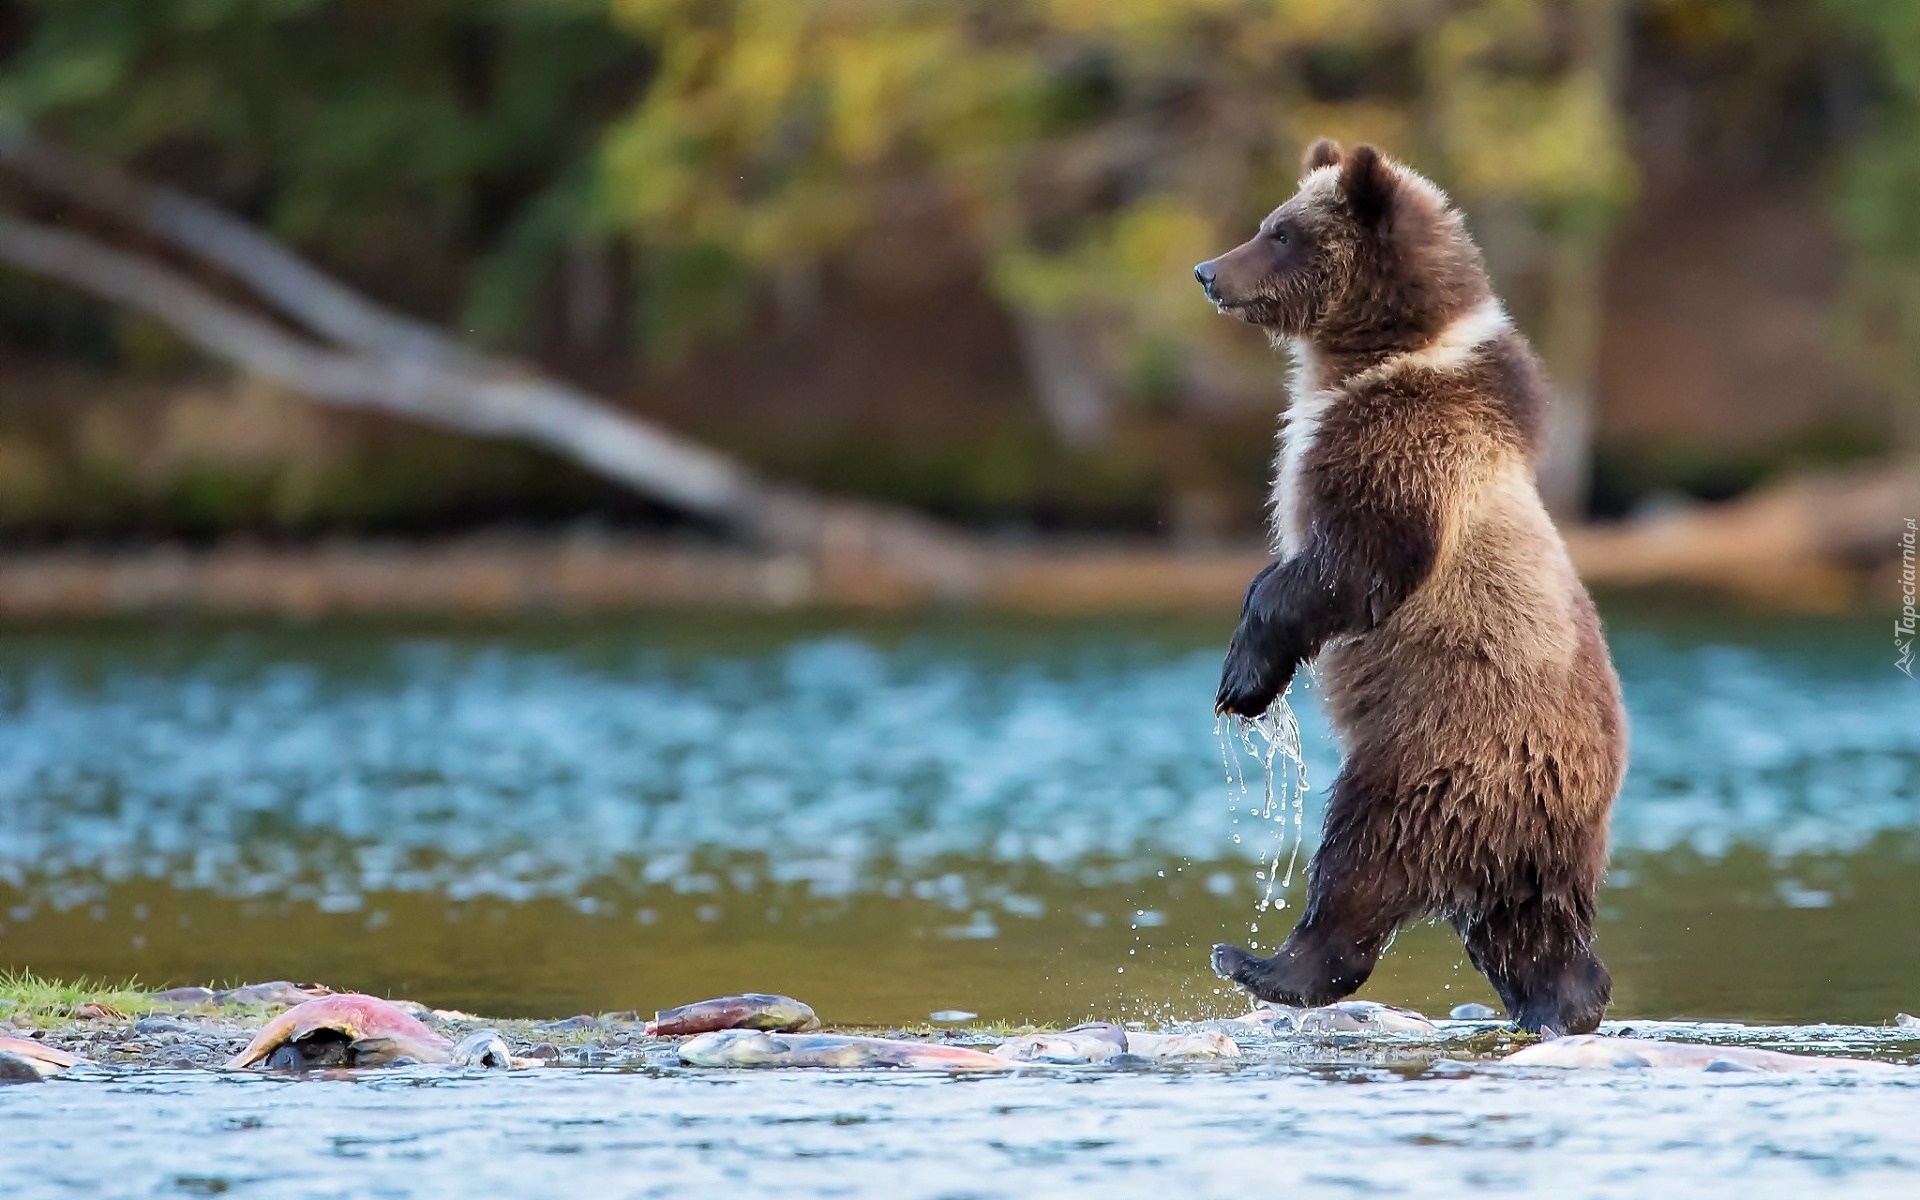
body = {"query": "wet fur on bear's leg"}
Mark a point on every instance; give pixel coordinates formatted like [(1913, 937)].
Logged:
[(1539, 957), (1308, 971), (1520, 895), (1321, 961), (1356, 898)]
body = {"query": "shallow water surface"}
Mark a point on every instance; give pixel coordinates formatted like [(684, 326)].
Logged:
[(1030, 822), (1349, 1130)]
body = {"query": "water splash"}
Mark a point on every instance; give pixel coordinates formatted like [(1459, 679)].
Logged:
[(1271, 739)]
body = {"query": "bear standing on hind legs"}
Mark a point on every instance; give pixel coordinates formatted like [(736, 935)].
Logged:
[(1459, 656)]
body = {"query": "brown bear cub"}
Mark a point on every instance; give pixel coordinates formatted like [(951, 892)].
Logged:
[(1460, 658)]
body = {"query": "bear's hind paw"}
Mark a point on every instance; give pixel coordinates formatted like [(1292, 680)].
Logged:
[(1229, 962)]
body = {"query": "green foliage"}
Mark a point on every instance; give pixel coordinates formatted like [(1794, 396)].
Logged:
[(1879, 206), (1090, 150), (1074, 155), (443, 148), (687, 289), (1082, 152)]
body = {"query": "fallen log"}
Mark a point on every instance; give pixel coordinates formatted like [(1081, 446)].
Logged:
[(368, 357), (1803, 543)]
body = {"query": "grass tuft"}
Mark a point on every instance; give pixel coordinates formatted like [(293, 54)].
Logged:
[(26, 996)]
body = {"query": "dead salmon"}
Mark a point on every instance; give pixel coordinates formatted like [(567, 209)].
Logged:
[(351, 1030), (750, 1010), (24, 1060), (1617, 1053), (1182, 1047), (1105, 1043), (1344, 1016), (1362, 1016), (754, 1048), (1094, 1043)]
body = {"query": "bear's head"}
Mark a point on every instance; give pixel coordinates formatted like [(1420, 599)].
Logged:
[(1366, 256)]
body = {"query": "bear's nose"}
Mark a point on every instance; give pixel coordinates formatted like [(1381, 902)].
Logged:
[(1204, 273)]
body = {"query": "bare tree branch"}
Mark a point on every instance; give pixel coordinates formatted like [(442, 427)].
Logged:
[(578, 426), (278, 276), (393, 363)]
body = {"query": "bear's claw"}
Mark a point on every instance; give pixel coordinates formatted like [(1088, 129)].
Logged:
[(1242, 694), (1248, 687), (1229, 961)]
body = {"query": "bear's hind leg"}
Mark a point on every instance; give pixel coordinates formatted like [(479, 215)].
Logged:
[(1539, 958), (1319, 963), (1357, 896)]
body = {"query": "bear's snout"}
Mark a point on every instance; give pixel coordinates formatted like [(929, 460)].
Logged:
[(1204, 273)]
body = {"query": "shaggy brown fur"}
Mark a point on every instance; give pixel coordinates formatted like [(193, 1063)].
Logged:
[(1459, 656)]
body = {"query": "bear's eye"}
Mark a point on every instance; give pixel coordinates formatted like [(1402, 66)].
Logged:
[(1279, 234)]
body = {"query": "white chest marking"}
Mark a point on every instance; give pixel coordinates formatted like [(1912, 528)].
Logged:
[(1451, 350), (1297, 429)]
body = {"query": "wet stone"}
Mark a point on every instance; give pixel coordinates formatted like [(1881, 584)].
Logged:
[(1474, 1012), (572, 1024), (1906, 1021), (545, 1051), (152, 1025), (309, 1055)]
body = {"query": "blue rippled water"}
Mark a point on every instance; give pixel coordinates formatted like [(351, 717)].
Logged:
[(1030, 822), (342, 762)]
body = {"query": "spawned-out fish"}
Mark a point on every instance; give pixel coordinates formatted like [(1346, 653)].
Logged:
[(279, 993), (750, 1010), (1344, 1016), (1361, 1016), (1598, 1050), (1082, 1044), (24, 1060), (753, 1048), (352, 1030), (1102, 1042), (1182, 1047)]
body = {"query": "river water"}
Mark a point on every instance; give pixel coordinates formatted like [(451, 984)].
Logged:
[(1026, 821)]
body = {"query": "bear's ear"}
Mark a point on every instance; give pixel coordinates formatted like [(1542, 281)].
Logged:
[(1323, 153), (1367, 180)]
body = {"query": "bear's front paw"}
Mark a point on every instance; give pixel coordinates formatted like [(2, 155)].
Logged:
[(1248, 687)]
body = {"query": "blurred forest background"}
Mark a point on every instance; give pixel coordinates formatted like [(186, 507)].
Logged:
[(929, 254)]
